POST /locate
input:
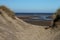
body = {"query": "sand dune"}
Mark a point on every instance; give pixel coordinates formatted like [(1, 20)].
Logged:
[(16, 29)]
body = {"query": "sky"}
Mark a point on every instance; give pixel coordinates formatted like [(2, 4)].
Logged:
[(44, 6)]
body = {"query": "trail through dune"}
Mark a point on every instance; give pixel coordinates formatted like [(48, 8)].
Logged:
[(16, 29)]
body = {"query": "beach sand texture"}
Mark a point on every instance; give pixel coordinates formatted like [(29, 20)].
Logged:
[(16, 29)]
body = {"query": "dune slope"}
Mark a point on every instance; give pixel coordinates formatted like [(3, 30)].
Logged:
[(16, 29)]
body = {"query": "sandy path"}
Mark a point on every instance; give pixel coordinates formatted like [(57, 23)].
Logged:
[(16, 29)]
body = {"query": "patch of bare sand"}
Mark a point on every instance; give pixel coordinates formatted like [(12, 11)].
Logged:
[(16, 29)]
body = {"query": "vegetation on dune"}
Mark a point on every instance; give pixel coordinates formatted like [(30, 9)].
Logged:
[(56, 18), (8, 11)]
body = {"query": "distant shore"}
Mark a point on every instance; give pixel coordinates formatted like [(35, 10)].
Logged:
[(36, 18)]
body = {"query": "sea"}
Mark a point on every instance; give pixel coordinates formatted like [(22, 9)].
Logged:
[(37, 16)]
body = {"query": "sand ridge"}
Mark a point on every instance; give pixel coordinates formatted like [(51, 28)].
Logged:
[(16, 29)]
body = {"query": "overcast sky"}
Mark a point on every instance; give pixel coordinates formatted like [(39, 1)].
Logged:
[(32, 5)]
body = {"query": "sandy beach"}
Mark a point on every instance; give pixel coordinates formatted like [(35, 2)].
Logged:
[(13, 28)]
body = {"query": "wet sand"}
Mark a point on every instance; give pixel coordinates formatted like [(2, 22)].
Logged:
[(36, 22)]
